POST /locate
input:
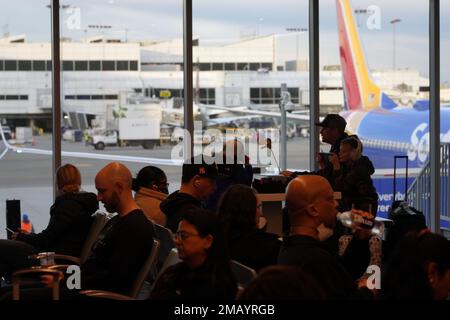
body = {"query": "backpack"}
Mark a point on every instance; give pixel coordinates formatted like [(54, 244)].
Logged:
[(406, 219)]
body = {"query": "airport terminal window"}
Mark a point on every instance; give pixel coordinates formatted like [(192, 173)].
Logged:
[(133, 65), (81, 65), (38, 65), (97, 97), (94, 65), (271, 95), (67, 65), (294, 94), (255, 94), (111, 97), (217, 66), (122, 66), (83, 97), (10, 65), (230, 66), (254, 66), (205, 66), (108, 65), (24, 65), (207, 96), (267, 66), (1, 65), (12, 97), (243, 66), (49, 65)]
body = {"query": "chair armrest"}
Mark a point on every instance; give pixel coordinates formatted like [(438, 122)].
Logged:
[(60, 267), (105, 295), (73, 259)]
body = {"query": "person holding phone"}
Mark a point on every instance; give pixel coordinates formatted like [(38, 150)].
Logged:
[(332, 131), (69, 224)]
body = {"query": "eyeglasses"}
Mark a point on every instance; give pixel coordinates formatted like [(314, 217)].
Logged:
[(183, 235), (163, 184)]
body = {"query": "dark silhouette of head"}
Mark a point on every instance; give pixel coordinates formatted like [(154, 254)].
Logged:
[(282, 282)]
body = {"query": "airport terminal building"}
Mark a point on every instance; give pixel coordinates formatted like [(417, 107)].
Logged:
[(96, 71)]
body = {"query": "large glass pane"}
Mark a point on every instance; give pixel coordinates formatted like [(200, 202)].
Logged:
[(374, 70), (445, 120), (258, 49), (108, 96), (25, 109)]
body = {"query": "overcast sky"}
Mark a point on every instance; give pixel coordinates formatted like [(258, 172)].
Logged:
[(218, 21)]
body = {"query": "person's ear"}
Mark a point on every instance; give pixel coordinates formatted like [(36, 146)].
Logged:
[(312, 210), (197, 181), (119, 186), (432, 273), (208, 241)]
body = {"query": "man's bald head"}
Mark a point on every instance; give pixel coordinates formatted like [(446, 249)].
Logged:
[(113, 184), (115, 172), (311, 197)]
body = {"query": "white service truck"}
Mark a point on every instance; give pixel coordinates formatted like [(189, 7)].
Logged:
[(131, 132)]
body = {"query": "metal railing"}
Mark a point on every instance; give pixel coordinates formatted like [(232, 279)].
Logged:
[(419, 191)]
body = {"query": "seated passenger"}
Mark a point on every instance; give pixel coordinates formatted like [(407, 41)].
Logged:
[(239, 211), (419, 268), (70, 222), (126, 240), (151, 189), (233, 169), (351, 177), (205, 272), (311, 203), (282, 283), (198, 182)]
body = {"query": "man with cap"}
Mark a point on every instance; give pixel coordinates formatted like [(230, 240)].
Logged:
[(198, 182), (332, 132)]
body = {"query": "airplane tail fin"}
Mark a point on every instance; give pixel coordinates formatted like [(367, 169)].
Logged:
[(361, 93)]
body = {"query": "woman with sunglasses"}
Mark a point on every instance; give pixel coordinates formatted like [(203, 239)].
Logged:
[(204, 273), (151, 189)]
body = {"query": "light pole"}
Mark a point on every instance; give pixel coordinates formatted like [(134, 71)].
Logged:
[(100, 27), (394, 22), (298, 31)]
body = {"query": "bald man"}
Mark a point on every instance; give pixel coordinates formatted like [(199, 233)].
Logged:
[(125, 242), (310, 204)]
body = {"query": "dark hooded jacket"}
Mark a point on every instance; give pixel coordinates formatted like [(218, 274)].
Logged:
[(174, 206), (70, 222), (355, 184)]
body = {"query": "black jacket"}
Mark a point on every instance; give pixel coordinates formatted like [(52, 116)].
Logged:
[(206, 283), (174, 206), (313, 257), (119, 253), (70, 222), (253, 247), (355, 184)]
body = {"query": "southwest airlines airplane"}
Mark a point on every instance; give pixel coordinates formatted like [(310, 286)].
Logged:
[(384, 128)]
